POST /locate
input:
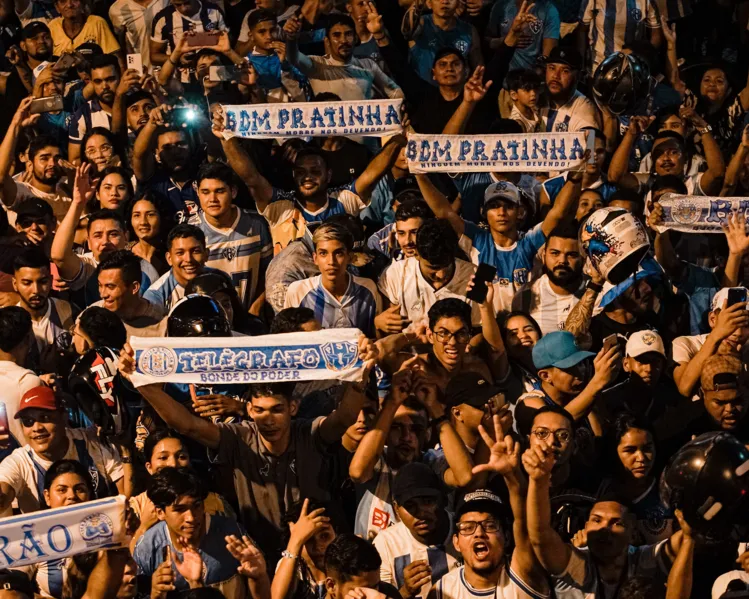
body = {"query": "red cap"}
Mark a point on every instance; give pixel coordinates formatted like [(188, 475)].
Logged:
[(41, 398)]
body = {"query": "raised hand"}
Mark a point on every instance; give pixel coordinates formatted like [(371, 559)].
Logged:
[(415, 575), (606, 365), (475, 89), (292, 27), (374, 20), (538, 462), (688, 113), (638, 124), (504, 456), (83, 189), (162, 580), (250, 558), (669, 32), (130, 78), (517, 36), (23, 118), (735, 232), (191, 565), (307, 525)]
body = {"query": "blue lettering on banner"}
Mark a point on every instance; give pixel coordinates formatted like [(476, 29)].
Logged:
[(52, 538), (29, 543), (719, 211)]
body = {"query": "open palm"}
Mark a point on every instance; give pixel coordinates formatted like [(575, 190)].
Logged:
[(504, 456)]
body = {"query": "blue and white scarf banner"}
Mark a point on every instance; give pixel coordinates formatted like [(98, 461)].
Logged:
[(313, 356), (526, 152), (62, 532), (313, 119), (698, 214)]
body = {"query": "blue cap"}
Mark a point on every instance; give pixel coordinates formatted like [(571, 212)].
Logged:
[(558, 349)]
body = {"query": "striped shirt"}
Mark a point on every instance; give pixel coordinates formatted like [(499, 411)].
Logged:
[(576, 113), (88, 116), (404, 284), (398, 548), (38, 10), (135, 21), (166, 290), (513, 263), (545, 305), (509, 586), (356, 309), (243, 251), (169, 24), (612, 24), (51, 576)]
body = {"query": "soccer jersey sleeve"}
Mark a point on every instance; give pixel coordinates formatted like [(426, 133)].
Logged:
[(351, 202), (278, 210), (551, 23)]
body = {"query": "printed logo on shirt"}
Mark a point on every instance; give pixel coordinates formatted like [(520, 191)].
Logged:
[(561, 127), (158, 361), (461, 45), (635, 13), (96, 529), (229, 254), (380, 518), (520, 276), (339, 355), (536, 26)]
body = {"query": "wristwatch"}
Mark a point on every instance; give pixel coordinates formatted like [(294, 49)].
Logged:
[(704, 130), (287, 554), (594, 287)]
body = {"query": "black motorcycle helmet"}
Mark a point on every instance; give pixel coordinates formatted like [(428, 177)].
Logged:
[(95, 384), (707, 480), (197, 316), (621, 83)]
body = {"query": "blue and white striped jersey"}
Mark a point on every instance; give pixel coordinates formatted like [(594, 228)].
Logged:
[(577, 113), (50, 576), (513, 263), (613, 23), (243, 251), (166, 290), (170, 24), (88, 116), (509, 586), (357, 309)]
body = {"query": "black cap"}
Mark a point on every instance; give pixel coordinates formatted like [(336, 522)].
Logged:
[(416, 480), (32, 29), (405, 185), (33, 207), (482, 500), (568, 56), (469, 388)]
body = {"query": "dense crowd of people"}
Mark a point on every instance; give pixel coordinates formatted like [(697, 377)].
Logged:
[(507, 447)]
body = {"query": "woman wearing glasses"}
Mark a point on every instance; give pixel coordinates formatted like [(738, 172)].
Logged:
[(635, 480), (100, 150)]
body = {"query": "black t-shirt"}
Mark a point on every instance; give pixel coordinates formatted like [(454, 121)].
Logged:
[(347, 163), (235, 14)]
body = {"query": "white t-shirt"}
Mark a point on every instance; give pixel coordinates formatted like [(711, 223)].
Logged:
[(398, 548), (685, 348), (577, 113), (403, 284), (58, 200), (15, 380), (549, 308), (53, 327), (23, 468), (509, 586), (721, 583), (135, 21)]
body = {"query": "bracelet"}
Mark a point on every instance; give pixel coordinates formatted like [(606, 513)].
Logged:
[(126, 459), (287, 554), (705, 130), (594, 287)]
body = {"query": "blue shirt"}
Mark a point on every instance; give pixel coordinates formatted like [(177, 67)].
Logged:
[(432, 39), (554, 185), (514, 263), (220, 565), (182, 201), (547, 27), (88, 116), (699, 284), (268, 69), (243, 251)]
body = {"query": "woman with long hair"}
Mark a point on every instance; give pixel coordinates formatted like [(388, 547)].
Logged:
[(100, 148), (148, 226), (114, 190)]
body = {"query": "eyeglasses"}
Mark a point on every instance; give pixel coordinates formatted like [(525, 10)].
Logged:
[(561, 435), (468, 528), (29, 421), (105, 150), (27, 221), (444, 336)]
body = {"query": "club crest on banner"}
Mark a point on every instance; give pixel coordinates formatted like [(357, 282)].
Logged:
[(158, 361), (96, 529), (339, 356)]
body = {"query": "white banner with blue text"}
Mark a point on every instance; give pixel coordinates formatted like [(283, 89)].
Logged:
[(699, 214), (527, 152), (62, 532), (314, 356), (313, 119)]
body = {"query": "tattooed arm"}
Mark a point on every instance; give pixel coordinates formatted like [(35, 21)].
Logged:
[(578, 320)]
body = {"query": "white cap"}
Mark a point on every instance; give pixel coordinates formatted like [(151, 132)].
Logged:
[(644, 342), (502, 190), (722, 297)]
